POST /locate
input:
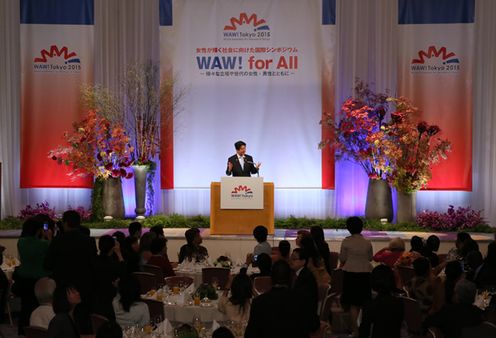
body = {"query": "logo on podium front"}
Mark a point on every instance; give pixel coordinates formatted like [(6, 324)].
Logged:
[(241, 193)]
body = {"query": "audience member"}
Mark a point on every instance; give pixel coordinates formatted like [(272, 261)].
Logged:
[(260, 233), (416, 248), (355, 257), (383, 316), (453, 318), (43, 314), (71, 257), (222, 332), (159, 256), (423, 286), (128, 308), (454, 273), (65, 300), (158, 230), (193, 251), (392, 253), (237, 307), (323, 248), (131, 253), (145, 245), (486, 276), (304, 284), (109, 267), (454, 254), (473, 262), (264, 264), (277, 313), (300, 234), (430, 249), (315, 263), (284, 251), (109, 329), (32, 250), (486, 329), (134, 229)]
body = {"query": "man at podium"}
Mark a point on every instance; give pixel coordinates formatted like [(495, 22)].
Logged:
[(241, 164)]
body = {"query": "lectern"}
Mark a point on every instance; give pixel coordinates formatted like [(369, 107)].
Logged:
[(239, 204)]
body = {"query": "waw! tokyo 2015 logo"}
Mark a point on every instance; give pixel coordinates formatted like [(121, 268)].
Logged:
[(57, 59), (246, 27), (435, 60), (241, 191)]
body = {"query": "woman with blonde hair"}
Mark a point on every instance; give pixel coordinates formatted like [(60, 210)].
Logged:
[(390, 255)]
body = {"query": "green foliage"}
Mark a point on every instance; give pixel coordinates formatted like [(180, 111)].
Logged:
[(180, 221), (207, 291)]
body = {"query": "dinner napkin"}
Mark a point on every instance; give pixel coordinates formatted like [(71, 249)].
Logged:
[(215, 325)]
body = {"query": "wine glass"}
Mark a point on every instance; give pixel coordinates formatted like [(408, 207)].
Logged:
[(215, 283)]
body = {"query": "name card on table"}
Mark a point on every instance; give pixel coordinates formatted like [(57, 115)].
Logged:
[(241, 193)]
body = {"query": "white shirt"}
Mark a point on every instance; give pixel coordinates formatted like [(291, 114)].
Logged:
[(138, 314), (42, 316), (241, 160)]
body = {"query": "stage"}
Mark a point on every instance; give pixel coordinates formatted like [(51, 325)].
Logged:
[(239, 245)]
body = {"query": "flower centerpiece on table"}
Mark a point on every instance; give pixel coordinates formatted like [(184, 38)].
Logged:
[(207, 291), (412, 147), (223, 262)]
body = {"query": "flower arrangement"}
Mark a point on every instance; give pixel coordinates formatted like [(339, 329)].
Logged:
[(453, 219), (358, 133), (96, 147), (223, 262), (207, 291), (85, 213), (39, 208), (411, 147)]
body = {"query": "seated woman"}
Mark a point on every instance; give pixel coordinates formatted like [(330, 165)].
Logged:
[(193, 251), (383, 316), (237, 307), (424, 285), (65, 299), (407, 258), (392, 253), (145, 244), (159, 256), (128, 307), (315, 262)]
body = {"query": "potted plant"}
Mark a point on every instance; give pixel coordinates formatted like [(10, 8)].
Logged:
[(358, 137), (412, 148)]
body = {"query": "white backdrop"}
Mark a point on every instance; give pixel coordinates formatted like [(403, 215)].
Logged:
[(127, 30)]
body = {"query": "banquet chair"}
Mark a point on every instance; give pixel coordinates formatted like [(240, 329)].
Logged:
[(147, 281), (261, 285), (176, 280), (221, 275), (406, 274), (323, 292), (35, 332), (156, 309), (413, 317), (153, 269), (97, 321), (333, 260)]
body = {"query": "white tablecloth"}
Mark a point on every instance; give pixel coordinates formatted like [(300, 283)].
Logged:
[(195, 272), (186, 313)]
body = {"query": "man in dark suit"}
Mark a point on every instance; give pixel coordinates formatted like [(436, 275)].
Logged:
[(241, 164), (278, 313), (304, 282), (71, 258)]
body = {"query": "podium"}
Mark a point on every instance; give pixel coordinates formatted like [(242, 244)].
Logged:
[(240, 213)]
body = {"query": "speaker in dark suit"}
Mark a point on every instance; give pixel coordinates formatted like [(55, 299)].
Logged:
[(241, 164)]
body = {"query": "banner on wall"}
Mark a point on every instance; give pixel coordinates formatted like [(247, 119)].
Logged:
[(260, 71), (436, 47), (56, 59)]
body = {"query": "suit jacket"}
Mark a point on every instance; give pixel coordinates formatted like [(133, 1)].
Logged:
[(306, 286), (247, 170), (71, 257), (277, 314)]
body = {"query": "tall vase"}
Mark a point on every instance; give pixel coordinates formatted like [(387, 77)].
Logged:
[(113, 200), (406, 206), (379, 202), (140, 173)]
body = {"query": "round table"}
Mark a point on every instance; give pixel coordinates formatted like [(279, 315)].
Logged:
[(186, 313), (195, 272)]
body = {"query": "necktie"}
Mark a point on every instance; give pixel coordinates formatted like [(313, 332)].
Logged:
[(242, 162)]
